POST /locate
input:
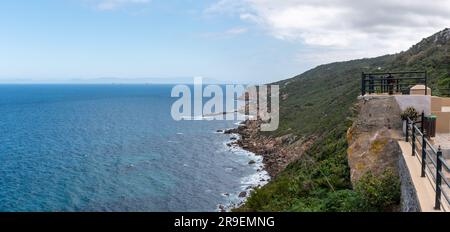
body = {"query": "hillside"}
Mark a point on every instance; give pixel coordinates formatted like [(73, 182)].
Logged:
[(319, 104)]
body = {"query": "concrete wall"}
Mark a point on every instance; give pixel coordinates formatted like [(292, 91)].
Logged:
[(419, 90), (440, 107), (419, 102), (409, 201), (429, 105), (442, 122)]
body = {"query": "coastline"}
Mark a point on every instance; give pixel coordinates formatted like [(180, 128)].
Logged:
[(249, 183), (273, 154), (277, 152)]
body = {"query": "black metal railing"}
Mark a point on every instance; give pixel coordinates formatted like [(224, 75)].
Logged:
[(392, 82), (444, 89), (444, 92), (433, 165)]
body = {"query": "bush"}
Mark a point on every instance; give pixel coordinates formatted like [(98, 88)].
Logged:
[(379, 193), (343, 201), (410, 113)]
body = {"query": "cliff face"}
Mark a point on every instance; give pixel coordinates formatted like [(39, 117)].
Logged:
[(372, 139), (373, 147)]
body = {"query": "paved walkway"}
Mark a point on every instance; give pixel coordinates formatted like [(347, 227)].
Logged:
[(424, 189), (442, 140)]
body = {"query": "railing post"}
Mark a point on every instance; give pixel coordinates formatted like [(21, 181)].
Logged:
[(437, 205), (371, 85), (407, 130), (424, 154), (398, 86), (363, 84), (422, 122), (413, 142)]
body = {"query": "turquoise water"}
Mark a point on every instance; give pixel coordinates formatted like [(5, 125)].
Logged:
[(111, 148)]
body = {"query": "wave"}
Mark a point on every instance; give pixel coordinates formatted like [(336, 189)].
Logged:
[(248, 183), (198, 118)]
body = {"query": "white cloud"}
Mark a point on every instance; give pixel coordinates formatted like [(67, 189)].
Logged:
[(107, 5), (235, 31), (343, 29)]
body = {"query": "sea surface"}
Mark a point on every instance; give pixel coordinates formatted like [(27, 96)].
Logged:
[(114, 148)]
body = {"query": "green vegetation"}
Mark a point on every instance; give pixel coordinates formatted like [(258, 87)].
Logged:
[(319, 104), (320, 181), (379, 193), (410, 113)]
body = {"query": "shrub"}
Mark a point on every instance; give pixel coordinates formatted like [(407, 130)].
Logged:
[(343, 201), (411, 113), (379, 193)]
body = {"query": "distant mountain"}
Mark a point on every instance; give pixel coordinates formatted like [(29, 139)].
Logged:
[(116, 80), (168, 80), (318, 104)]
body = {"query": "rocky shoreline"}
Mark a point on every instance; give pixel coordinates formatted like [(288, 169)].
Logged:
[(248, 183), (277, 152)]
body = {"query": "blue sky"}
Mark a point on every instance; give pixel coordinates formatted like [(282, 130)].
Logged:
[(245, 41)]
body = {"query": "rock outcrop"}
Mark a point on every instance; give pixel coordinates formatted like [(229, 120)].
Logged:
[(373, 137), (277, 152)]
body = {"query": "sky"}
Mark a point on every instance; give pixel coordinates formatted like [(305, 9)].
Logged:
[(247, 41)]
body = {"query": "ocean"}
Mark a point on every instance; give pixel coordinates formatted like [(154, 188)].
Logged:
[(101, 148)]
